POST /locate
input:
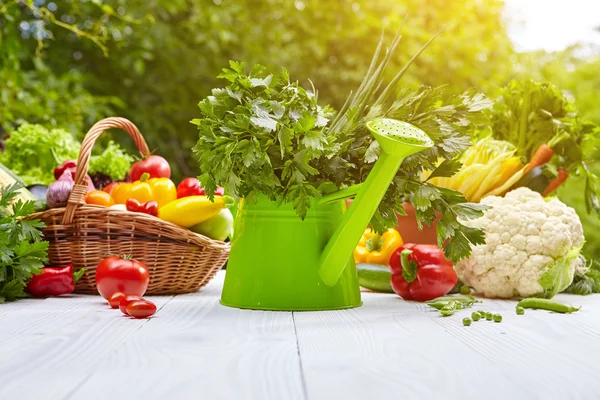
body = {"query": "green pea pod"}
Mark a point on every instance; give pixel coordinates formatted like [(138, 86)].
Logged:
[(438, 305), (545, 304), (462, 299), (448, 309)]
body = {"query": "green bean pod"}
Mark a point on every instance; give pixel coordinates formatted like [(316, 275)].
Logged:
[(545, 304)]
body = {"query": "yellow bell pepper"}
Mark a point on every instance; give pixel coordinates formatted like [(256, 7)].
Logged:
[(161, 190), (164, 190), (191, 210), (377, 249)]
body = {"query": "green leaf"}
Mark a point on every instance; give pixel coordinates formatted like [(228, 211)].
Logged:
[(446, 169), (313, 140), (372, 153), (305, 123), (559, 276), (459, 246), (467, 211)]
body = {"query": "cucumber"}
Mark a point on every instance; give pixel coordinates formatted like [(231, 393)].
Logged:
[(375, 277)]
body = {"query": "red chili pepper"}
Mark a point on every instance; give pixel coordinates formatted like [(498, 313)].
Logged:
[(421, 272), (54, 281), (67, 165), (150, 207)]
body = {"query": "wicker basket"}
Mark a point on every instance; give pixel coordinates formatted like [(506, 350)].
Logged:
[(179, 260)]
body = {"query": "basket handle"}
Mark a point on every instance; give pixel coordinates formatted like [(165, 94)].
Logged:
[(80, 187)]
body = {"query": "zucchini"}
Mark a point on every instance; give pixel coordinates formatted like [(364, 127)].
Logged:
[(375, 277), (7, 178)]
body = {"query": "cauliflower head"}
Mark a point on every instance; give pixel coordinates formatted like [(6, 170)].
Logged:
[(532, 247)]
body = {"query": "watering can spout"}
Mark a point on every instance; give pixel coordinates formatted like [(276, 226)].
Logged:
[(397, 140)]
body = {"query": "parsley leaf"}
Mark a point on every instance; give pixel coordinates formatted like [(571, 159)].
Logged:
[(22, 251)]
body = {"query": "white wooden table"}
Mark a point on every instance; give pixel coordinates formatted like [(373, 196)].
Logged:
[(76, 347)]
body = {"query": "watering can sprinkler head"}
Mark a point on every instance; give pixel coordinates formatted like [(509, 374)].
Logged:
[(398, 140)]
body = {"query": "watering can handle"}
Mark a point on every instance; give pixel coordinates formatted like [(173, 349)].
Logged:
[(340, 247), (345, 193)]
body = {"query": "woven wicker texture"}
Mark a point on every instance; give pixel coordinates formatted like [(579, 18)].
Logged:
[(179, 260)]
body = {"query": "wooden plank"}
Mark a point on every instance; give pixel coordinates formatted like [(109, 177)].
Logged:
[(389, 348), (77, 348), (554, 354), (196, 348), (49, 345)]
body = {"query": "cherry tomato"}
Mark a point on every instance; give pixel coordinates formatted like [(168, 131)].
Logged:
[(192, 187), (99, 198), (116, 274), (115, 300), (156, 166), (150, 207), (125, 302), (109, 188), (141, 309)]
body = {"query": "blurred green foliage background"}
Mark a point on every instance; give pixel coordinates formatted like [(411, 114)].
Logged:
[(69, 63)]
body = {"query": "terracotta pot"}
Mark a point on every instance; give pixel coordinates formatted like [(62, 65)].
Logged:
[(409, 230)]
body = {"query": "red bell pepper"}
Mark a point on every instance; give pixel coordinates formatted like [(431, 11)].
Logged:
[(192, 187), (67, 165), (149, 207), (54, 281), (421, 272)]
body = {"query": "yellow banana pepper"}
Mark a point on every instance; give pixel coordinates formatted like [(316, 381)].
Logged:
[(161, 190), (377, 249), (191, 210)]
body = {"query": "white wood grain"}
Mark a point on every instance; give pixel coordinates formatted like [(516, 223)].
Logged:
[(77, 348), (196, 348)]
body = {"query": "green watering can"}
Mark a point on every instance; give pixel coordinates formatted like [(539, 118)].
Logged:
[(280, 262)]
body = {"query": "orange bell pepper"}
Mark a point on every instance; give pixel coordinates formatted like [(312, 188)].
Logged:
[(161, 190), (377, 249)]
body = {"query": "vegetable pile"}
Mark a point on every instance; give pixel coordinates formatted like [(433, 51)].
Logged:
[(544, 126), (535, 140), (264, 134)]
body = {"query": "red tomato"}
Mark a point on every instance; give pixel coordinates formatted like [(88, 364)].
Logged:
[(156, 166), (115, 274), (141, 309), (108, 189), (192, 187), (125, 302), (115, 300)]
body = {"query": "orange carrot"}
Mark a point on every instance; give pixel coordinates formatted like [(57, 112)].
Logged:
[(556, 182), (542, 155)]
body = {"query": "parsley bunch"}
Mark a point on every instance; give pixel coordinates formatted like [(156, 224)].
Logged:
[(22, 251), (263, 134)]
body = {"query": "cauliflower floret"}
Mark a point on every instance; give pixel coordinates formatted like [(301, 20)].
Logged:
[(532, 247)]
